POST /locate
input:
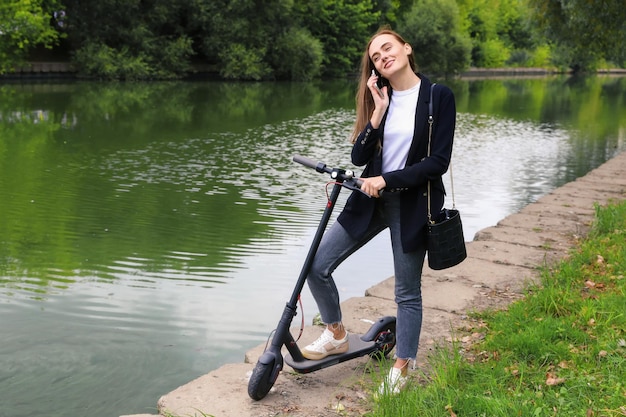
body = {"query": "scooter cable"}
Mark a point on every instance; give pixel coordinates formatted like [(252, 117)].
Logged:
[(302, 319), (269, 337), (327, 185)]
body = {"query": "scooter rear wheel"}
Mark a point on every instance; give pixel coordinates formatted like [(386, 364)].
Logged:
[(260, 381)]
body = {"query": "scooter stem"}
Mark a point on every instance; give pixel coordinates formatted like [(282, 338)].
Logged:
[(283, 336)]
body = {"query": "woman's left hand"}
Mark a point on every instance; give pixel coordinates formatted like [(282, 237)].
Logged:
[(372, 186)]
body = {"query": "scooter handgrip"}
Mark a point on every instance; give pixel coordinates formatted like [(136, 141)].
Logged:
[(359, 183), (305, 161)]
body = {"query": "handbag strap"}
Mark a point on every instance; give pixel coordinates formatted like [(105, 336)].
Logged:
[(430, 134)]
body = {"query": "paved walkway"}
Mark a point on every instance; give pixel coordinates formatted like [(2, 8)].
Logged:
[(501, 259)]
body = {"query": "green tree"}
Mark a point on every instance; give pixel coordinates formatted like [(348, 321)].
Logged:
[(584, 31), (284, 39), (242, 62), (254, 40), (501, 32), (343, 27), (390, 11), (296, 55), (130, 39), (239, 39), (305, 39), (25, 24), (479, 22), (433, 28)]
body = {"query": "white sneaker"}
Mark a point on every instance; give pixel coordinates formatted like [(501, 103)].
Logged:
[(393, 383), (325, 345)]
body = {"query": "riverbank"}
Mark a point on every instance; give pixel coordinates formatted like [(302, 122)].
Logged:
[(52, 70), (528, 72), (501, 260)]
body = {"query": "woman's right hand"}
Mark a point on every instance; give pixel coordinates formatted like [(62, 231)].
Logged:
[(373, 185), (381, 100)]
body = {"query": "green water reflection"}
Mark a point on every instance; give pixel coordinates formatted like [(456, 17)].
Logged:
[(62, 210)]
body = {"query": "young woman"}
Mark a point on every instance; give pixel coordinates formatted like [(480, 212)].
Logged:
[(390, 138)]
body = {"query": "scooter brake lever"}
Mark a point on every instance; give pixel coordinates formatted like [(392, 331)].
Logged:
[(353, 184)]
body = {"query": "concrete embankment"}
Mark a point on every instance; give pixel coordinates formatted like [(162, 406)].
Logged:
[(501, 260), (42, 70), (54, 69)]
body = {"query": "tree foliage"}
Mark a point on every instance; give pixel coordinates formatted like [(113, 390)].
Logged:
[(229, 28), (296, 55), (500, 32), (343, 27), (432, 27), (307, 39), (129, 39), (25, 24), (585, 32)]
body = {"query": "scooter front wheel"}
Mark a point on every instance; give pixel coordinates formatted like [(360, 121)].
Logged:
[(261, 380)]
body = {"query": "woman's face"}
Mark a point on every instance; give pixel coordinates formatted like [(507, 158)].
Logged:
[(389, 55)]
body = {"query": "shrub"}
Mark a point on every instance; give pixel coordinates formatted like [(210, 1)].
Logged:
[(493, 54), (518, 58), (101, 61), (297, 56), (241, 63), (541, 57), (170, 59)]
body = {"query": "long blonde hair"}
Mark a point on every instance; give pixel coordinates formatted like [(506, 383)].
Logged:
[(364, 100)]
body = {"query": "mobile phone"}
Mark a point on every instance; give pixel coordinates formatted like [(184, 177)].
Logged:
[(381, 82)]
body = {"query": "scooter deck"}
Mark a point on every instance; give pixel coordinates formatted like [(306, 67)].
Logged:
[(357, 348)]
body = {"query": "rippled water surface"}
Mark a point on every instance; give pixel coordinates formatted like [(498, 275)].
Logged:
[(150, 233)]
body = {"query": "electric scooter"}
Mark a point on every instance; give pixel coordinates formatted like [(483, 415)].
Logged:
[(379, 340)]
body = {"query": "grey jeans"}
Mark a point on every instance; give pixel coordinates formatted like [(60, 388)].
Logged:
[(337, 245)]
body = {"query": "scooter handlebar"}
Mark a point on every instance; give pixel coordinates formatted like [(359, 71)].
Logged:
[(305, 161), (318, 166), (349, 180)]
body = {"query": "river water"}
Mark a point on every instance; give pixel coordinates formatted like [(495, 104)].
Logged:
[(150, 233)]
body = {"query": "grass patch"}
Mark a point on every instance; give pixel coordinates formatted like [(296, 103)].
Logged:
[(559, 351)]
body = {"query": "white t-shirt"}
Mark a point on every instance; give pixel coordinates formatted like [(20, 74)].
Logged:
[(399, 128)]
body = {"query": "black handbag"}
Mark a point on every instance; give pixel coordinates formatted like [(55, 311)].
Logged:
[(446, 243)]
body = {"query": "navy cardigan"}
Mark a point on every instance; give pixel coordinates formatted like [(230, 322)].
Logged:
[(411, 181)]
